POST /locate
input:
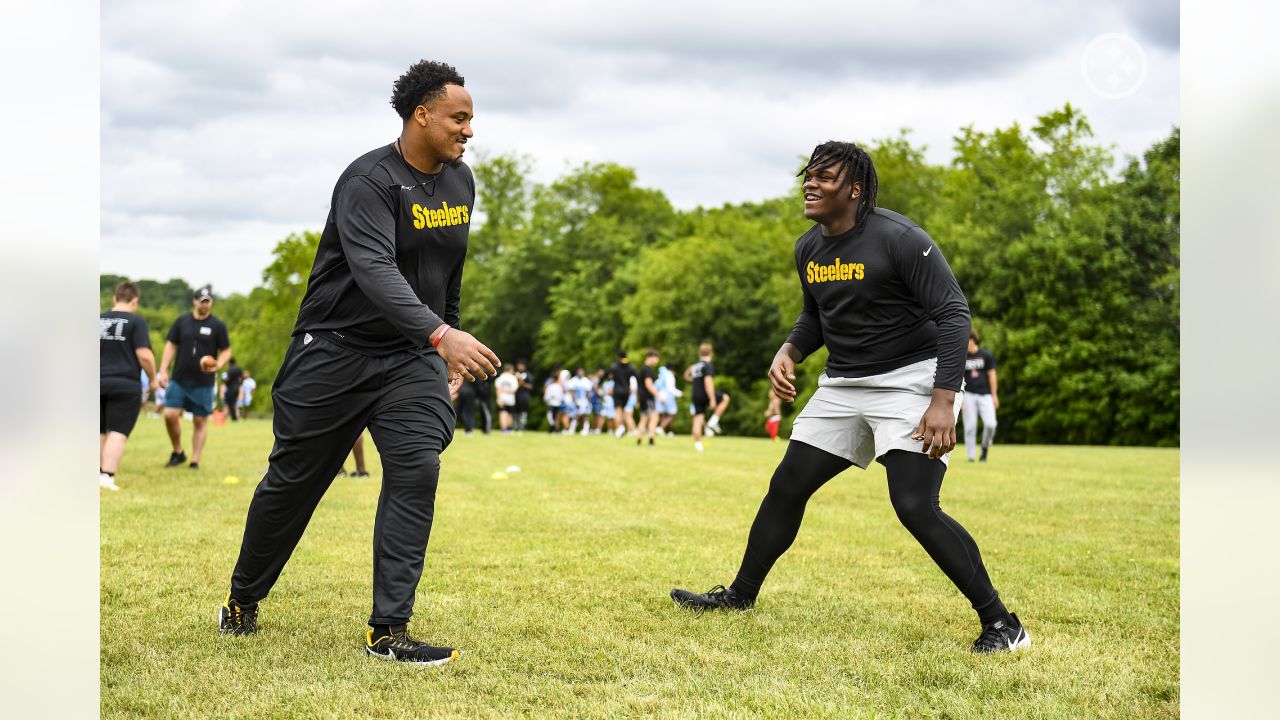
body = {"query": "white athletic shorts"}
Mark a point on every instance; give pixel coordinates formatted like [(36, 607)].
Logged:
[(861, 419)]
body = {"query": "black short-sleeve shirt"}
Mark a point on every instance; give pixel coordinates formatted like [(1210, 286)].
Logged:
[(622, 373), (700, 370), (195, 339), (121, 336), (644, 373), (975, 372)]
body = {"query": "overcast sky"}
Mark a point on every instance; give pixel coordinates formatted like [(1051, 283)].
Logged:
[(225, 125)]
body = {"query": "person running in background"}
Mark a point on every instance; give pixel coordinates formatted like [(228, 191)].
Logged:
[(647, 396), (231, 380), (484, 398), (553, 396), (523, 393), (980, 397), (597, 402), (358, 451), (701, 376), (580, 387), (124, 351), (623, 374), (568, 408), (667, 394), (247, 386), (199, 343), (608, 415), (773, 415), (506, 386), (465, 404)]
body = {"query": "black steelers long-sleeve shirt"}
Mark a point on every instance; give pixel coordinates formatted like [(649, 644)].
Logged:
[(388, 270), (880, 297)]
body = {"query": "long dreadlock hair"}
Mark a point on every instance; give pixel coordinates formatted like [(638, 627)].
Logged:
[(857, 167)]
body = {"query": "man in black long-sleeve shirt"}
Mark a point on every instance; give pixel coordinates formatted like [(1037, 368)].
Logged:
[(879, 294), (377, 345)]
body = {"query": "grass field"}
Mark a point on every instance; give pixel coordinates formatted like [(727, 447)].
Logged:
[(554, 583)]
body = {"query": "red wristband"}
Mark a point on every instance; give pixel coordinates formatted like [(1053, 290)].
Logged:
[(435, 341)]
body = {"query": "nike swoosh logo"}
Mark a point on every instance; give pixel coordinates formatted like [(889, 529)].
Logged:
[(926, 252)]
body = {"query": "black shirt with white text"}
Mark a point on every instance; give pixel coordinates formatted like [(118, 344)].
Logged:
[(195, 339), (118, 342)]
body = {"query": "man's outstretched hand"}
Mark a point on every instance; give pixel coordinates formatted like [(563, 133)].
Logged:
[(467, 356)]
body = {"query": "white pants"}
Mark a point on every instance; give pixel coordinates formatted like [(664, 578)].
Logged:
[(976, 406)]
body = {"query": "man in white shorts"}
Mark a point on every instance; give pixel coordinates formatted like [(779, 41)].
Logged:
[(980, 398), (882, 299)]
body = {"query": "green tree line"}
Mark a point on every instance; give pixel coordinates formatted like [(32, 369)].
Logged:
[(1070, 263)]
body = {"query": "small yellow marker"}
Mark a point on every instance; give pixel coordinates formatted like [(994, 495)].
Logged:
[(499, 476), (230, 480)]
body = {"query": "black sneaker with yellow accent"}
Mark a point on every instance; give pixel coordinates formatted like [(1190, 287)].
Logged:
[(399, 647), (717, 598), (1002, 636), (237, 619)]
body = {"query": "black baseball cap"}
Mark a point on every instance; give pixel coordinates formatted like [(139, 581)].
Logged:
[(204, 293)]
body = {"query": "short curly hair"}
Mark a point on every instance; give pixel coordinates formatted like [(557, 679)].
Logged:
[(423, 81)]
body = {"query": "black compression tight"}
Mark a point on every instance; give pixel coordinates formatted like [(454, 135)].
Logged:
[(914, 482)]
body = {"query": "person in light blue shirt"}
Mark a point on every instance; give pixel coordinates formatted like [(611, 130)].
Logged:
[(667, 394)]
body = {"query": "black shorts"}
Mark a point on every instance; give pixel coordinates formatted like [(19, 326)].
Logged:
[(522, 402), (119, 403), (620, 400), (646, 405), (701, 406)]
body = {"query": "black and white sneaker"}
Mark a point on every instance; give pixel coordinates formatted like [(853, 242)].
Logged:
[(717, 598), (1002, 636), (399, 647), (176, 459), (236, 619)]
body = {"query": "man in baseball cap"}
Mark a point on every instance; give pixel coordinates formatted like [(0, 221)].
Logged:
[(201, 345)]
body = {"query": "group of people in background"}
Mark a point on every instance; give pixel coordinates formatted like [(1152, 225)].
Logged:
[(196, 348), (621, 399)]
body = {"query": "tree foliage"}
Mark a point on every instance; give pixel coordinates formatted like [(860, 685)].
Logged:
[(1071, 270)]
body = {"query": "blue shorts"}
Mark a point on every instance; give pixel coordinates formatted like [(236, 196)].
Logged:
[(198, 400), (667, 407)]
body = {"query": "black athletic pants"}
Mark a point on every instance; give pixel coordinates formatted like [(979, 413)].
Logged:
[(325, 396), (914, 483)]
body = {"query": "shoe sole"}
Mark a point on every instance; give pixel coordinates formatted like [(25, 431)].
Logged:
[(391, 657)]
